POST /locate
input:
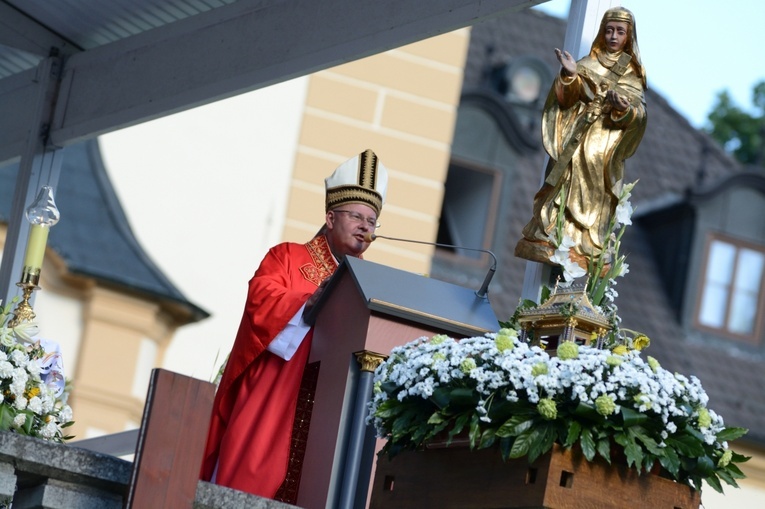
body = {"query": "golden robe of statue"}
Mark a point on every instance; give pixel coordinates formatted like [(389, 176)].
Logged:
[(593, 120)]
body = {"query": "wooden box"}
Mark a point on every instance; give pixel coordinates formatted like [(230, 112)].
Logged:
[(456, 477)]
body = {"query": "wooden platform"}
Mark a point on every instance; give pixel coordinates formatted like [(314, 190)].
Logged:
[(458, 478)]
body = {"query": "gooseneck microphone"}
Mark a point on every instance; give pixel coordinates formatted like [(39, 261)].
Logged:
[(481, 293)]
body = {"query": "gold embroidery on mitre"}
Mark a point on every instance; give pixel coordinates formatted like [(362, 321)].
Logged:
[(324, 263)]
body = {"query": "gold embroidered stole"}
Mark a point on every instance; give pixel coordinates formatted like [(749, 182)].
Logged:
[(323, 263)]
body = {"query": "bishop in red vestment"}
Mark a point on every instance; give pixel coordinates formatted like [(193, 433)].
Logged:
[(248, 445)]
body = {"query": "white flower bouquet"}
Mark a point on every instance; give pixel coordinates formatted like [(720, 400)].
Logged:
[(505, 393), (32, 386)]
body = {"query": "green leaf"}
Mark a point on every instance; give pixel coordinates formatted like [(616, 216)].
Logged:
[(670, 461), (587, 411), (523, 443), (604, 449), (475, 431), (632, 417), (27, 428), (515, 426), (634, 454), (714, 482), (725, 476), (459, 424), (544, 441), (6, 416), (574, 430), (649, 443), (440, 397), (735, 471), (505, 446), (389, 408), (436, 418), (588, 444), (730, 434), (686, 445), (705, 466), (462, 398), (487, 438)]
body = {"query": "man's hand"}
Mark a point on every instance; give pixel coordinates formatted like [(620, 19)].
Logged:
[(313, 299)]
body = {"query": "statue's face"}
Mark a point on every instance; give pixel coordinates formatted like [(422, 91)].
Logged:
[(616, 35)]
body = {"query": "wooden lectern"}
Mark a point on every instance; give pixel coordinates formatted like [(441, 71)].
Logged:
[(368, 307)]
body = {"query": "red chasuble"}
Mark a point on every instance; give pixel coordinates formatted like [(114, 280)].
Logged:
[(253, 412)]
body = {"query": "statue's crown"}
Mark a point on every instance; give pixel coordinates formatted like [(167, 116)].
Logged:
[(618, 14)]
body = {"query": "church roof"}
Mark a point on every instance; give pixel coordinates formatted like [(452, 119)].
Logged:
[(674, 163), (94, 237)]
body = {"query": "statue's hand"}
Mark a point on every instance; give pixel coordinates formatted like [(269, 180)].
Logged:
[(567, 62), (619, 103)]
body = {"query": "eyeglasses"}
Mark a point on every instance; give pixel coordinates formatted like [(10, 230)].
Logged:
[(358, 218)]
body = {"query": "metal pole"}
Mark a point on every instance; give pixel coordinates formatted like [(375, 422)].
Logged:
[(39, 166), (351, 497)]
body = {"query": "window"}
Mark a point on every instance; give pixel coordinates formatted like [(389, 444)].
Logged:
[(732, 292), (469, 209)]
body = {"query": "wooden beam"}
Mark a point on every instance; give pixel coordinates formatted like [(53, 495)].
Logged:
[(19, 31), (235, 49)]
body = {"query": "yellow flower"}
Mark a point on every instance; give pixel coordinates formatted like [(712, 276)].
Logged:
[(705, 420), (503, 342), (547, 409), (32, 392), (508, 332), (725, 458), (620, 350), (568, 350), (614, 360), (605, 405), (467, 365), (641, 341), (539, 368), (438, 339)]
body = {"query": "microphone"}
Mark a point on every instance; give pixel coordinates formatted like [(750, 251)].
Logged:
[(481, 293)]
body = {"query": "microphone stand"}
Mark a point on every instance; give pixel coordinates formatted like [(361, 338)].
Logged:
[(481, 292)]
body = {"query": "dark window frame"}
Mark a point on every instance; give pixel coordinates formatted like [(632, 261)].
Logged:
[(492, 214)]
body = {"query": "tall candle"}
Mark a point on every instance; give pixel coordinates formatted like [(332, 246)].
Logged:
[(38, 238)]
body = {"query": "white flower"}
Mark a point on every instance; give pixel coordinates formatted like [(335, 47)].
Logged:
[(19, 358), (35, 405), (49, 430), (6, 337), (624, 213), (6, 369), (25, 331), (19, 420), (65, 415), (20, 403), (572, 270)]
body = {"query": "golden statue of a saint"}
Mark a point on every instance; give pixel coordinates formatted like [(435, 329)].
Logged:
[(593, 120)]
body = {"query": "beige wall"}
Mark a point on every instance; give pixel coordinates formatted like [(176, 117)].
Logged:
[(110, 341), (402, 104)]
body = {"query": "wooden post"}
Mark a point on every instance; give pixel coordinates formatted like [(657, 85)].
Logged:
[(171, 441)]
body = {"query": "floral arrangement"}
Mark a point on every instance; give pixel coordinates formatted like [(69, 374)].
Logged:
[(503, 392), (32, 386)]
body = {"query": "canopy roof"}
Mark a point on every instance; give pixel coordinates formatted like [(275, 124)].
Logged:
[(122, 62)]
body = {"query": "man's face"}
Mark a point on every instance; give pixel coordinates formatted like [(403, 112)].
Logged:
[(616, 35), (346, 227)]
